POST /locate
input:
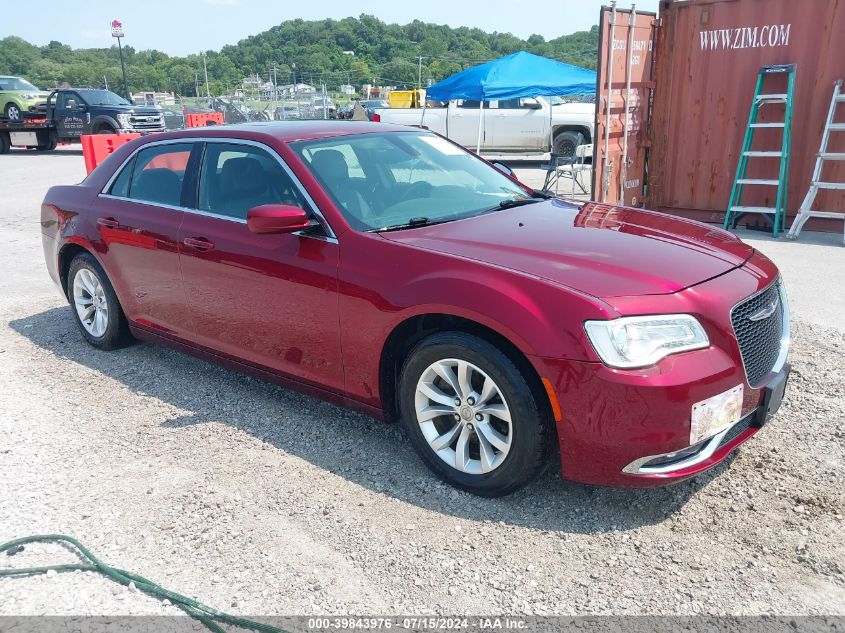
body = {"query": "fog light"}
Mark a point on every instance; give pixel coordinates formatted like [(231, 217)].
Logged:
[(715, 414)]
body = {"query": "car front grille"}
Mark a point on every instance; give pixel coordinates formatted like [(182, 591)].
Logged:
[(146, 122), (759, 330)]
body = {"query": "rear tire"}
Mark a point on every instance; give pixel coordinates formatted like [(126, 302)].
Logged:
[(95, 306), (565, 144), (488, 438)]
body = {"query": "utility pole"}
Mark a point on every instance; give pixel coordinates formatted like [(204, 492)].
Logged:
[(117, 31), (419, 72), (275, 88), (205, 69)]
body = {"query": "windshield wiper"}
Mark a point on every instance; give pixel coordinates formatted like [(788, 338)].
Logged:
[(410, 224), (510, 203)]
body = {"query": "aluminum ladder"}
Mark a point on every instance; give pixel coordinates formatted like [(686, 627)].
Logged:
[(777, 214), (816, 183)]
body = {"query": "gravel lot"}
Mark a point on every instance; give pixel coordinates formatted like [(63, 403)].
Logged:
[(259, 501)]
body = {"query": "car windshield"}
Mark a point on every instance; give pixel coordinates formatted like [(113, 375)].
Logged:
[(396, 180), (15, 83), (103, 97)]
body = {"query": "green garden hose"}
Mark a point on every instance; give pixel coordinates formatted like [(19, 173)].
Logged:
[(208, 616)]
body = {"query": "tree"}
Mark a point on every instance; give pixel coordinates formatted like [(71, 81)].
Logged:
[(384, 53)]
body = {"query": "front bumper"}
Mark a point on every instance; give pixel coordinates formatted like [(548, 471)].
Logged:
[(631, 428), (695, 459), (143, 132)]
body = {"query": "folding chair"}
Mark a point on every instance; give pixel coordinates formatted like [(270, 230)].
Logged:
[(557, 166), (575, 169)]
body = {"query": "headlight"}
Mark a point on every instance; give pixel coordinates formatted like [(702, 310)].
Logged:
[(643, 340), (27, 96), (123, 119)]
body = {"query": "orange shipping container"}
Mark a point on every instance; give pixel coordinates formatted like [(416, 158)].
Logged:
[(707, 54)]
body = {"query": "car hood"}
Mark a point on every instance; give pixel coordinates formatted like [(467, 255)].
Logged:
[(131, 109), (139, 110), (599, 250), (580, 108)]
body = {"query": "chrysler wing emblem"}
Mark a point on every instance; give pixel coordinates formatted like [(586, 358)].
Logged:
[(766, 311)]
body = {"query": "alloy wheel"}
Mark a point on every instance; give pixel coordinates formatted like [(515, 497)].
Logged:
[(463, 416), (89, 299)]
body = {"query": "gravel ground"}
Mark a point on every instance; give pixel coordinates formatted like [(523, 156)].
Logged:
[(260, 501)]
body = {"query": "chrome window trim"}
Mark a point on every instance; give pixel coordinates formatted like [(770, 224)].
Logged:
[(171, 207), (330, 236), (785, 335)]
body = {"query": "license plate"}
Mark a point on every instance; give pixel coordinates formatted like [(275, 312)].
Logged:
[(715, 414)]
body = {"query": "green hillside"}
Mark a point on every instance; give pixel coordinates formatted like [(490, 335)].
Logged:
[(317, 51)]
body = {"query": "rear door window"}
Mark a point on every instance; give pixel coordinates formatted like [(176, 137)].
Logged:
[(157, 174)]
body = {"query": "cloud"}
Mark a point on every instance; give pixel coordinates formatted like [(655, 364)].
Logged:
[(223, 3)]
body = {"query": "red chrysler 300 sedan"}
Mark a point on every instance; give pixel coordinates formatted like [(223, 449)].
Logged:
[(387, 269)]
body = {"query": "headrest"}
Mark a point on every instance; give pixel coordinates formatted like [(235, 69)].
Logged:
[(330, 165), (242, 176), (157, 185)]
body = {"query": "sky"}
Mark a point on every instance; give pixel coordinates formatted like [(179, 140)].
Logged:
[(179, 27)]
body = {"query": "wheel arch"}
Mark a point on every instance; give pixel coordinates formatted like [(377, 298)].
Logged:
[(67, 254), (102, 120), (574, 127), (408, 333)]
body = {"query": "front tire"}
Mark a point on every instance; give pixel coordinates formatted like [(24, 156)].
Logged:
[(49, 146), (95, 306), (472, 415), (12, 112)]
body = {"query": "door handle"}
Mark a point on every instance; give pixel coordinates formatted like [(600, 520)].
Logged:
[(198, 243), (108, 223)]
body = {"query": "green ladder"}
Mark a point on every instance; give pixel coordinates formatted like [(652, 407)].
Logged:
[(777, 214)]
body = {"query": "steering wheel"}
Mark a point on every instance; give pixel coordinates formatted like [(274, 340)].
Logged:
[(420, 187)]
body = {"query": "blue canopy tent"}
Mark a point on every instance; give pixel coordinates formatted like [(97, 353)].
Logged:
[(515, 76)]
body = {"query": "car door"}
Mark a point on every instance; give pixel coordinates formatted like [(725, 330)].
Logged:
[(269, 299), (463, 123), (518, 124), (70, 115), (138, 217)]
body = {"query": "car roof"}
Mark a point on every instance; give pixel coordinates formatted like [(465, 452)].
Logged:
[(289, 131)]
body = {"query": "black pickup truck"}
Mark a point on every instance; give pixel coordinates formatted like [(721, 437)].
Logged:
[(68, 114)]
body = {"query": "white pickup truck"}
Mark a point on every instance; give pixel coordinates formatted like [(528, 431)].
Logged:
[(513, 125)]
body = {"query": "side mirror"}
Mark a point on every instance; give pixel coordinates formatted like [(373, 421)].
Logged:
[(81, 107), (531, 104), (507, 171), (277, 218)]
